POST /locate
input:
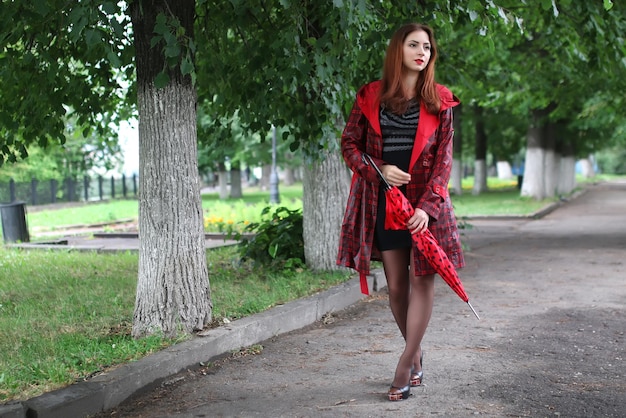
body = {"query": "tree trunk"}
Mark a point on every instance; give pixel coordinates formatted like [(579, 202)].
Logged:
[(504, 170), (533, 184), (480, 164), (264, 181), (480, 177), (290, 177), (173, 290), (588, 171), (456, 176), (235, 181), (567, 169), (551, 160), (222, 181), (325, 193)]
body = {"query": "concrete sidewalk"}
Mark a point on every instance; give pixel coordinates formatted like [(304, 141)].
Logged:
[(551, 294)]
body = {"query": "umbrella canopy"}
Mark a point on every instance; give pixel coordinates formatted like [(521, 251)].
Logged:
[(397, 214)]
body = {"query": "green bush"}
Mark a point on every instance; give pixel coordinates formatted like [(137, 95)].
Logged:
[(277, 239)]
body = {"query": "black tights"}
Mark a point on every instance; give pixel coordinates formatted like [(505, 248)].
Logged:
[(411, 302)]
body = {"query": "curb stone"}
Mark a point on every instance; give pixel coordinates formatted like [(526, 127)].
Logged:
[(111, 388)]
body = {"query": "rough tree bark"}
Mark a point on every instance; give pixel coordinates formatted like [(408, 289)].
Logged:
[(173, 291), (325, 185)]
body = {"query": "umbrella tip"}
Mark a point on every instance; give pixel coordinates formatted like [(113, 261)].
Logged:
[(473, 310)]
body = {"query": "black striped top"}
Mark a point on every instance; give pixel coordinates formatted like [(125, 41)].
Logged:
[(398, 135)]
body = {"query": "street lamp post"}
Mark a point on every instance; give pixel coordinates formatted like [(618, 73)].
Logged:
[(274, 196)]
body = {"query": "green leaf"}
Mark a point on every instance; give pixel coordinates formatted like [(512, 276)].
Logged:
[(186, 66), (92, 37), (41, 7), (273, 250), (155, 40), (161, 80), (109, 8), (172, 51)]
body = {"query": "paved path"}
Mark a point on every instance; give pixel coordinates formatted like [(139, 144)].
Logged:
[(552, 297)]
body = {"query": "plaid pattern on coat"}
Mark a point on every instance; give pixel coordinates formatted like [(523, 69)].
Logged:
[(428, 189)]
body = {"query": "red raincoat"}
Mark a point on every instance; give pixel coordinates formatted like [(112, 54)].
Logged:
[(428, 189)]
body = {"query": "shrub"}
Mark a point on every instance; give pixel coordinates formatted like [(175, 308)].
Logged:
[(277, 239)]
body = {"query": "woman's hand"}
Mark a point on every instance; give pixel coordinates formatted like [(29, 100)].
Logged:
[(418, 222), (394, 175)]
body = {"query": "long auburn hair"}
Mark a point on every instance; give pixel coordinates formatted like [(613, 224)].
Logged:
[(392, 93)]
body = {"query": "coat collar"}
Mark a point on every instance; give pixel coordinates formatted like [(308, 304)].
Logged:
[(368, 99)]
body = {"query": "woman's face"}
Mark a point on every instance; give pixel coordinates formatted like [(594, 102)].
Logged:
[(416, 51)]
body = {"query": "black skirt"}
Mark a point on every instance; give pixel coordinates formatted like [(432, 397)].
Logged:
[(389, 239)]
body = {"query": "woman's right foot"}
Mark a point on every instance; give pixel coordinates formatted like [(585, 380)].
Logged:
[(399, 394), (417, 376)]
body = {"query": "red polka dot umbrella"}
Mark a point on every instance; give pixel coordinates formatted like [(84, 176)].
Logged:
[(397, 213)]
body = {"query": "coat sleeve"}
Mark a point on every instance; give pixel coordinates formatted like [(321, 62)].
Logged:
[(437, 185), (354, 145)]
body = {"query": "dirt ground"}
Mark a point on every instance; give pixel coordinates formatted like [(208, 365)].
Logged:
[(551, 294)]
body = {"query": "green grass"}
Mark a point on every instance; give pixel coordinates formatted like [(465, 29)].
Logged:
[(67, 315), (219, 215), (496, 203), (85, 214)]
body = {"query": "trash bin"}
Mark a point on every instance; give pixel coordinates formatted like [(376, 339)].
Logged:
[(14, 228)]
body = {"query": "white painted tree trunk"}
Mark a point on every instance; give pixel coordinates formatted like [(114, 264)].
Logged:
[(504, 170), (480, 177), (552, 164), (326, 185), (173, 291), (456, 177), (587, 168), (222, 181), (567, 175), (532, 186), (235, 183)]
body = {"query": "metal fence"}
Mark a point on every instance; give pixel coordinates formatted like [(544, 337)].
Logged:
[(46, 192)]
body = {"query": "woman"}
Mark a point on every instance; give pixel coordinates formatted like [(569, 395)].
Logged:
[(404, 122)]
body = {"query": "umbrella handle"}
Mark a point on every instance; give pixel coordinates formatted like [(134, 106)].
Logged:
[(384, 180)]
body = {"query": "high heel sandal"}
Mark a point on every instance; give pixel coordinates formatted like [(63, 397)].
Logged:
[(398, 394), (417, 377)]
